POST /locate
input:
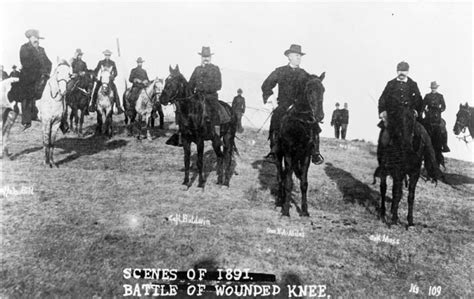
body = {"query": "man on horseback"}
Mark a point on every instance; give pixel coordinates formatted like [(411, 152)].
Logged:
[(206, 81), (106, 63), (402, 94), (79, 70), (291, 80), (36, 68), (15, 73), (433, 106), (139, 79)]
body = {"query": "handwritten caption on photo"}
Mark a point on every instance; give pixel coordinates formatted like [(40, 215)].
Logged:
[(193, 281)]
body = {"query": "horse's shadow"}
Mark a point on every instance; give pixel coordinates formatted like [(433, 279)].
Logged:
[(209, 165), (454, 179), (79, 147), (353, 190), (267, 176)]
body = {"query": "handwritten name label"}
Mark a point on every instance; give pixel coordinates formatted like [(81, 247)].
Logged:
[(286, 232), (191, 219), (8, 191), (384, 238)]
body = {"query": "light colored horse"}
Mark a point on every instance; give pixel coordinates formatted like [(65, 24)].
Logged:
[(8, 113), (147, 101), (105, 103), (51, 108)]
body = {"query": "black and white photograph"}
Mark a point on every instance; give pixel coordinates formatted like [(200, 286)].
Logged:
[(236, 149)]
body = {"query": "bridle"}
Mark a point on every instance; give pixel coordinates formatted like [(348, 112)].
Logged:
[(57, 82), (464, 125)]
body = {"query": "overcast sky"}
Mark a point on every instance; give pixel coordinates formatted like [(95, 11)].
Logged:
[(357, 44)]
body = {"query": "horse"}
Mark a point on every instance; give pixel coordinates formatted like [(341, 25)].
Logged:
[(464, 119), (432, 123), (78, 100), (10, 111), (193, 127), (295, 143), (51, 108), (147, 104), (402, 159), (105, 101)]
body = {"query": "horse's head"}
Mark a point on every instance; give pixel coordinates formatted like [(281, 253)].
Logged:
[(462, 119), (62, 75), (314, 95), (175, 87)]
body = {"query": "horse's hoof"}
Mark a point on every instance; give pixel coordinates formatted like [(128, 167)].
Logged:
[(305, 214), (285, 214), (201, 184)]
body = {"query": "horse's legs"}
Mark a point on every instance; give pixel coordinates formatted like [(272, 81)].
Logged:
[(411, 196), (304, 187), (46, 126), (200, 158), (397, 193), (81, 122), (52, 140), (280, 180), (150, 124), (288, 173), (162, 116), (383, 193), (71, 119), (108, 123), (98, 129), (76, 119), (228, 149), (9, 118), (220, 157), (187, 160)]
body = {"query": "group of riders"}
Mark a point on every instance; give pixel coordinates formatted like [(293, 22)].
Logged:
[(206, 81)]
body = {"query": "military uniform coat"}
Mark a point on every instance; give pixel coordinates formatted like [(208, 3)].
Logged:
[(434, 101), (107, 63), (138, 73), (78, 65), (397, 94), (344, 116), (238, 104), (291, 83)]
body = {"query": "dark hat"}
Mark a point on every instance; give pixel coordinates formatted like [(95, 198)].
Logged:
[(63, 62), (33, 32), (79, 51), (239, 90), (107, 52), (294, 49), (206, 52), (13, 66), (337, 105), (140, 60), (434, 85), (403, 66)]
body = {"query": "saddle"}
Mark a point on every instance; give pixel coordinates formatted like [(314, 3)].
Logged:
[(214, 110)]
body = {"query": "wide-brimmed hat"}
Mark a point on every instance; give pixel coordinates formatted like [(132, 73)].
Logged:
[(434, 85), (403, 66), (294, 49), (107, 52), (206, 52), (239, 90), (79, 51), (337, 104), (140, 60), (13, 66), (33, 32)]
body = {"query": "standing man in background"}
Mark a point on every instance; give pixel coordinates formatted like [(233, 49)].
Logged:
[(433, 106), (344, 121), (336, 121), (14, 73), (238, 106)]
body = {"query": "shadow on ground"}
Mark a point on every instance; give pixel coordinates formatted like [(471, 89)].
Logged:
[(353, 190)]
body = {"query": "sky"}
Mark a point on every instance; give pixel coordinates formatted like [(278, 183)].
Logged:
[(357, 44)]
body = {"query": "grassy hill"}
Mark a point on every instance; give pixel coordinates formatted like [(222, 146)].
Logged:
[(108, 206)]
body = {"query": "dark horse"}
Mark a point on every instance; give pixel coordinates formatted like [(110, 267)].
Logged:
[(190, 117), (78, 100), (295, 143), (402, 159), (464, 119), (432, 123)]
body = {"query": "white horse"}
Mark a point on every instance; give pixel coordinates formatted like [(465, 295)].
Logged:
[(51, 108), (105, 103), (8, 113), (147, 101)]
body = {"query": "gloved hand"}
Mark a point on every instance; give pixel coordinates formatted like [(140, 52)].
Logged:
[(383, 115)]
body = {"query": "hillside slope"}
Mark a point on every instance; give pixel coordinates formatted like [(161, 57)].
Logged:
[(108, 205)]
